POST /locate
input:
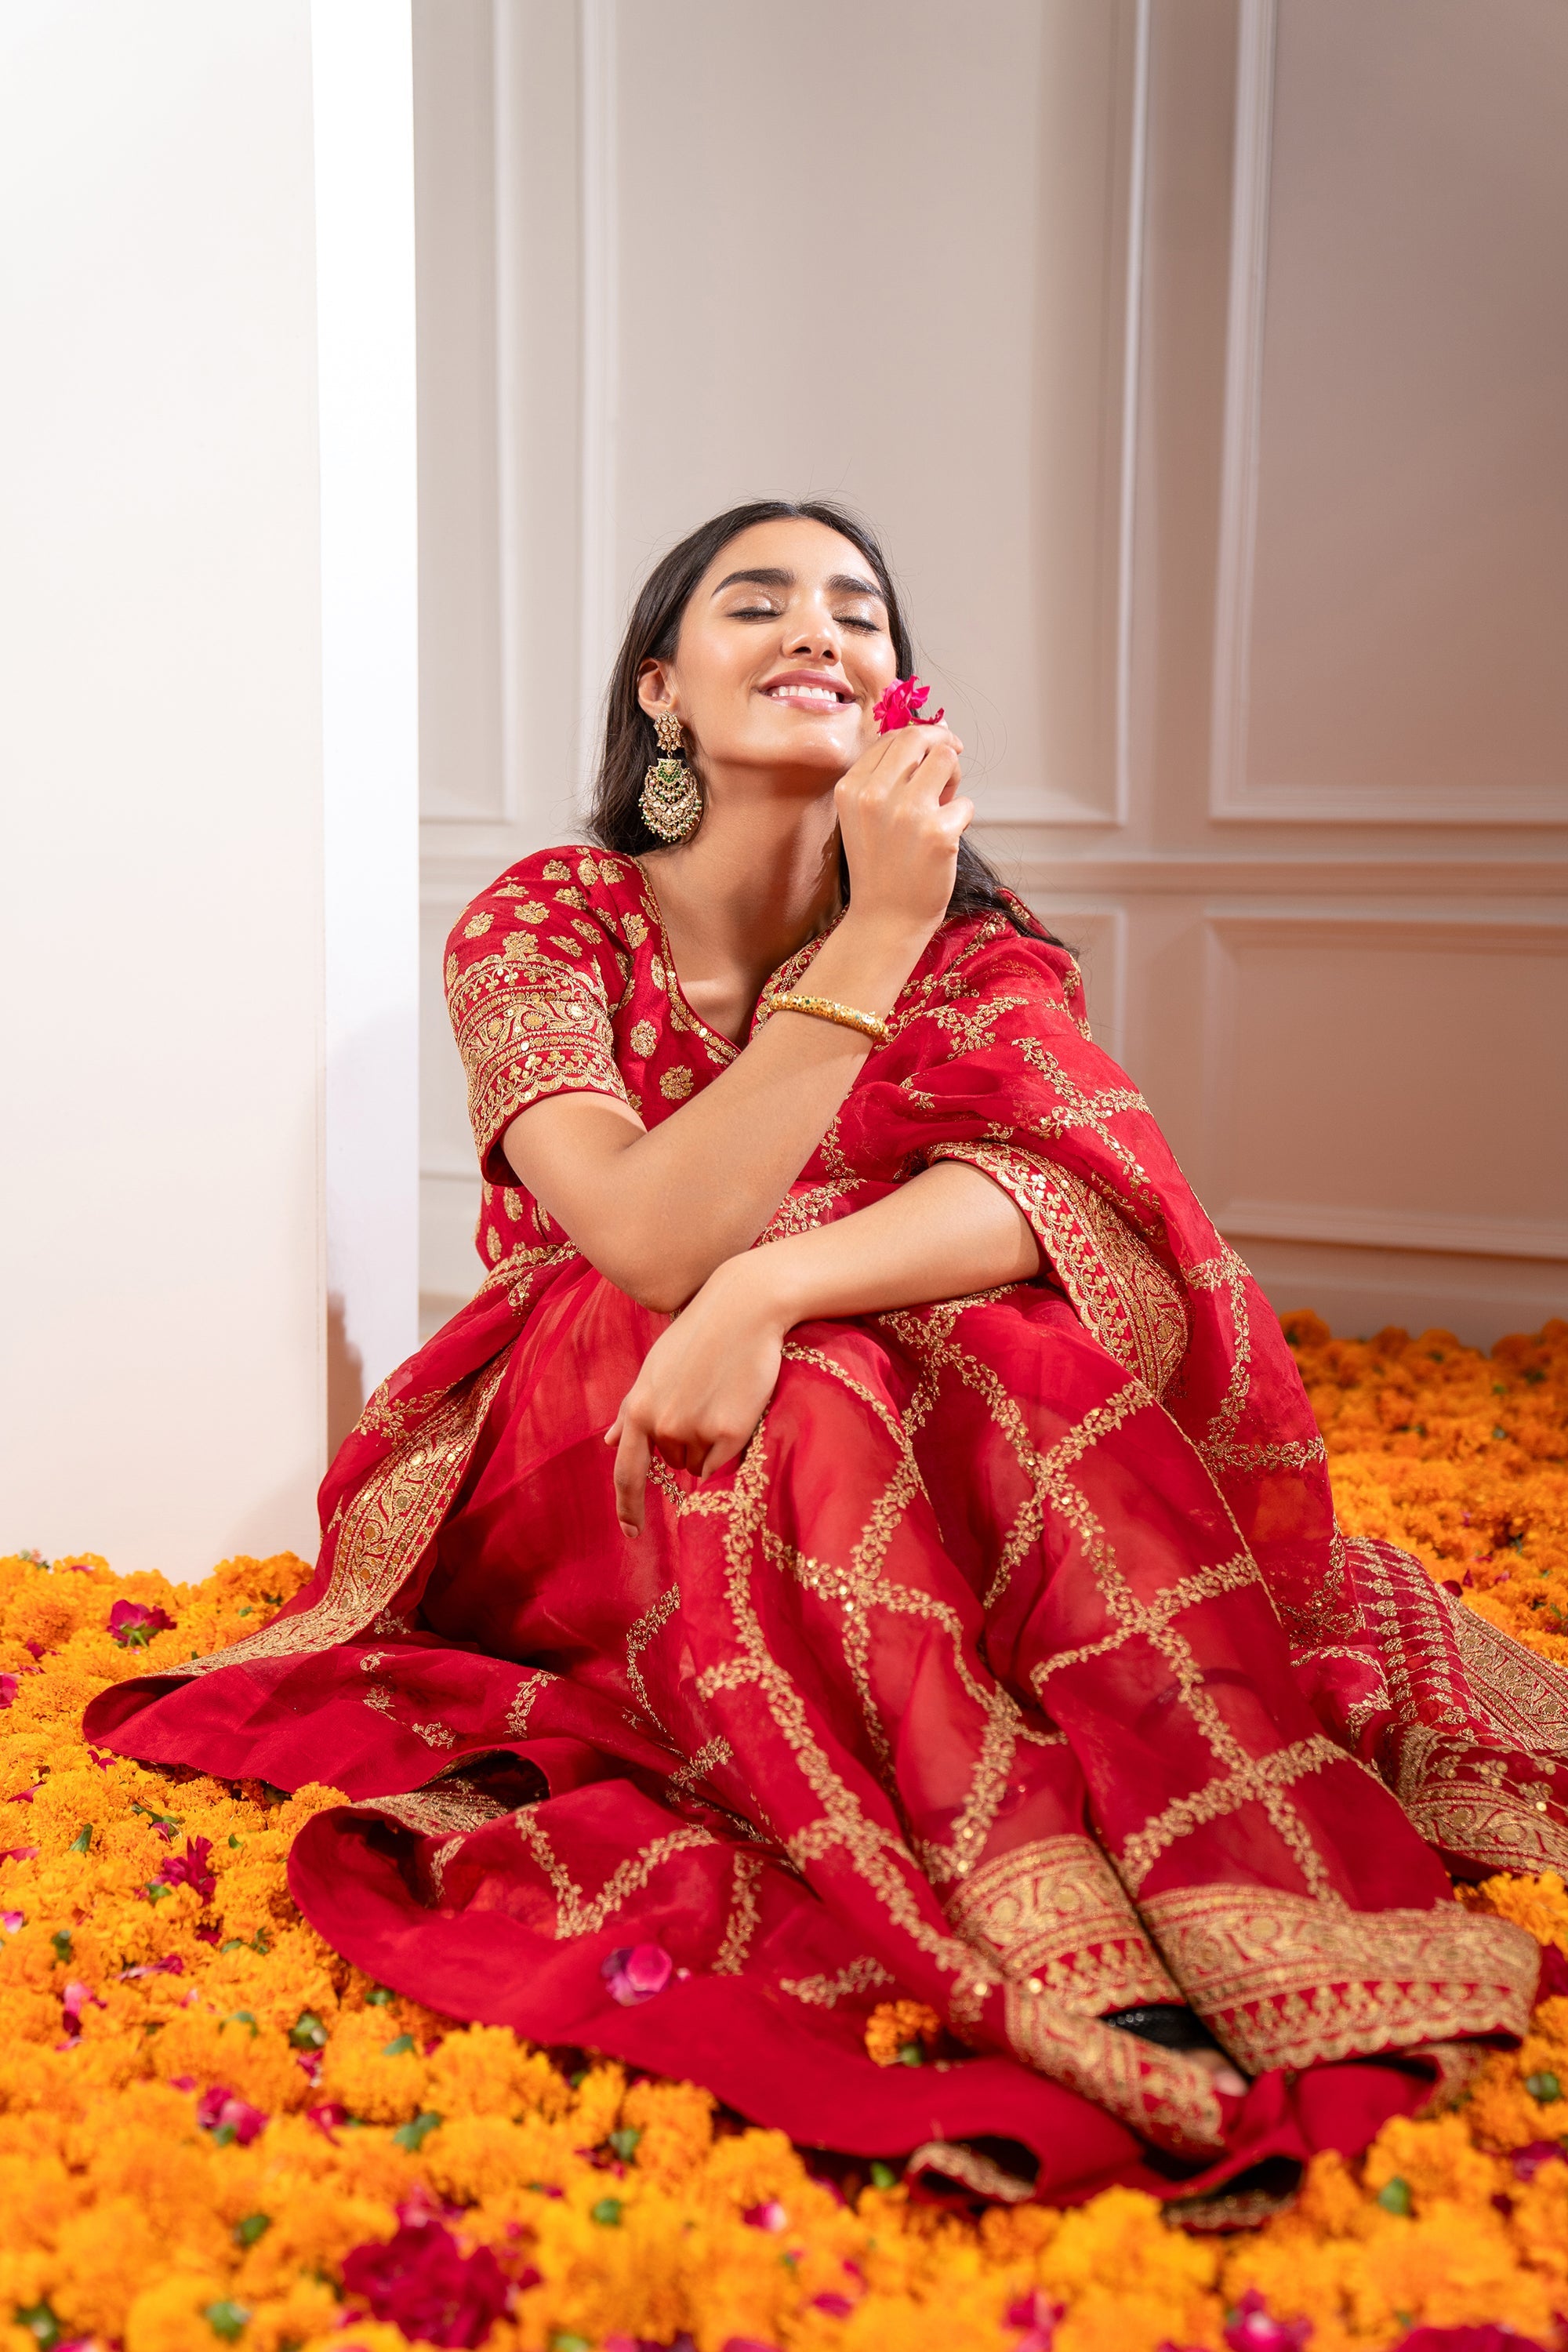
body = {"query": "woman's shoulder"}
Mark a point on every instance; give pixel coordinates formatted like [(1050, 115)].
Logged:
[(572, 884)]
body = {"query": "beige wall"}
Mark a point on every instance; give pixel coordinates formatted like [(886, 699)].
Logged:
[(1203, 366)]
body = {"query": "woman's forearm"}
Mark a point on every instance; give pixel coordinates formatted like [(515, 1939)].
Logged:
[(944, 1234)]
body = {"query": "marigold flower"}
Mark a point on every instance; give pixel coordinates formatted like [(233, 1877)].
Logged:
[(901, 2033)]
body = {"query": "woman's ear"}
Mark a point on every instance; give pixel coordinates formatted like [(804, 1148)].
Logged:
[(654, 687)]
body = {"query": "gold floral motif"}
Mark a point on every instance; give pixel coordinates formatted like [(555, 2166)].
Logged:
[(1054, 1911), (643, 1037), (555, 870), (634, 931), (477, 924), (1284, 1981), (745, 1913), (862, 1976), (676, 1083)]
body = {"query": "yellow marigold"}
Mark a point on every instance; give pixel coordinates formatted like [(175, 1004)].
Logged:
[(1538, 1905), (897, 2027), (673, 2124), (1435, 2160)]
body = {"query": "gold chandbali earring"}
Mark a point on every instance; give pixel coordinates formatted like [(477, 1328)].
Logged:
[(671, 803)]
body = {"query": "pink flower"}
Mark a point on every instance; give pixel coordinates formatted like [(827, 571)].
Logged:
[(12, 1920), (7, 1690), (190, 1868), (1033, 2312), (1252, 2327), (133, 1626), (422, 2284), (327, 2118), (837, 2306), (170, 1965), (18, 1853), (770, 2216), (636, 1972), (208, 1935), (74, 1998), (900, 707), (229, 2118), (1528, 2161), (1554, 1974)]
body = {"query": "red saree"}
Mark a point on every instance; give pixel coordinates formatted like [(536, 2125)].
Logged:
[(1016, 1668)]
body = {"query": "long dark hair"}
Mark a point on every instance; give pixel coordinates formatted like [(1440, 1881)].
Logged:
[(617, 819)]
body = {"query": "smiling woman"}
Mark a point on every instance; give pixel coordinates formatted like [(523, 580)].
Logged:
[(957, 1650)]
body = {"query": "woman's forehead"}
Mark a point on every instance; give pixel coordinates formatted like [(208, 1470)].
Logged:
[(797, 544)]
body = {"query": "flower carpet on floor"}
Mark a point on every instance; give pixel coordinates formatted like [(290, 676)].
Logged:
[(214, 2132)]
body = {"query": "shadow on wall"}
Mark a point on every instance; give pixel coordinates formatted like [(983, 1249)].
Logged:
[(345, 1376)]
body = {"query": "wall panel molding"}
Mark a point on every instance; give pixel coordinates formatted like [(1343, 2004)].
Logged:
[(1293, 1216)]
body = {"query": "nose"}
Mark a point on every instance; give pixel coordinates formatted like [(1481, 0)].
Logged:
[(814, 635)]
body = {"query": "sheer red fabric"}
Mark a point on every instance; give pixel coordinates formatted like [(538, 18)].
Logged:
[(1017, 1667)]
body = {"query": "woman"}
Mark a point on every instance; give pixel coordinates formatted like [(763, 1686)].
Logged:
[(945, 1606)]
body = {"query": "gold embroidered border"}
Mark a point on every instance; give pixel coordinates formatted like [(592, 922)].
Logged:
[(1122, 1294), (1158, 2093), (1285, 1981), (383, 1530), (443, 1808), (525, 1030), (1053, 1914), (953, 2161)]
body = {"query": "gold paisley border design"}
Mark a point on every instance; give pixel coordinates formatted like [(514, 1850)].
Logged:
[(1285, 1981), (1123, 1295), (1053, 1915)]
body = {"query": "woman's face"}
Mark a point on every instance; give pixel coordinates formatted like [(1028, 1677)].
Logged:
[(783, 649)]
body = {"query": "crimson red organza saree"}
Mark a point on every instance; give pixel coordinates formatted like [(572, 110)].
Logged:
[(1016, 1669)]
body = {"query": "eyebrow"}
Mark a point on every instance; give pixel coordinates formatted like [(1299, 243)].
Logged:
[(843, 584)]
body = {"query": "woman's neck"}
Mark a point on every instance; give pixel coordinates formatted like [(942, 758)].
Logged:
[(760, 879)]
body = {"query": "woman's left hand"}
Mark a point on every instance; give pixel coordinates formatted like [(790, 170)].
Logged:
[(703, 1387)]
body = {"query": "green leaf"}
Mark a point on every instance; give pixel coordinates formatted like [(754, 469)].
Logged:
[(565, 2341), (1395, 2198), (225, 2319), (911, 2053), (82, 1841), (398, 2047), (235, 1943), (254, 2226), (62, 1941), (157, 1890), (606, 2212), (624, 2143), (377, 1997), (414, 2135), (1544, 2087), (241, 2017), (884, 2175), (232, 1839), (40, 2324), (308, 2032)]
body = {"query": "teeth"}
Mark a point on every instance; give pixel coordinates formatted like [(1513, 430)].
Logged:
[(804, 694)]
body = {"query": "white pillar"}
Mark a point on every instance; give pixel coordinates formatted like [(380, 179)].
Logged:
[(164, 1016), (370, 624)]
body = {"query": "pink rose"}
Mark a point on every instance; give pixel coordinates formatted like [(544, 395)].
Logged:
[(229, 2118), (1252, 2327), (636, 1971), (900, 707), (190, 1868), (133, 1626), (422, 2283)]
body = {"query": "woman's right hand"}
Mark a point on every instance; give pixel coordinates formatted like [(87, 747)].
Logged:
[(902, 817)]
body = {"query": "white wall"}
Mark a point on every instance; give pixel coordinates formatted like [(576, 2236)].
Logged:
[(1201, 362), (163, 1368)]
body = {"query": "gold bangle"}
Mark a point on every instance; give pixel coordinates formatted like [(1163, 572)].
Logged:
[(822, 1008)]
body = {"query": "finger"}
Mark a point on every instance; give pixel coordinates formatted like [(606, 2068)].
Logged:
[(723, 1449), (613, 1434), (631, 1479)]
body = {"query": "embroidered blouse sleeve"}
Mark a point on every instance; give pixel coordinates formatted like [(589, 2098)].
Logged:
[(532, 981)]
